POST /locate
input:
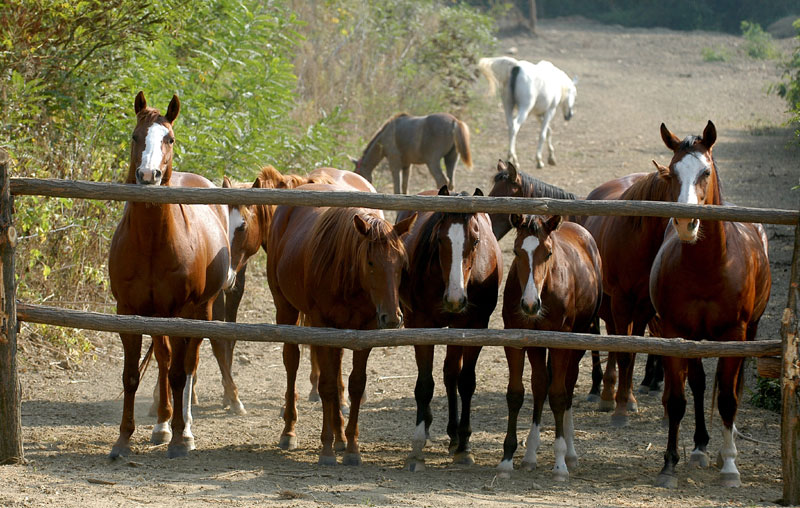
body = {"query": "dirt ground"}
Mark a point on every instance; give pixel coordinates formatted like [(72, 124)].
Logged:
[(630, 81)]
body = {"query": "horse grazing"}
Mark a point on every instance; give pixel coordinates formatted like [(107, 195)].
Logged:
[(710, 281), (555, 283), (166, 260), (341, 268), (404, 140), (525, 87), (453, 279)]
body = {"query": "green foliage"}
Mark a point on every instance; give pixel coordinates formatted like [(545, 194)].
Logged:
[(759, 43), (789, 89), (767, 394), (718, 54)]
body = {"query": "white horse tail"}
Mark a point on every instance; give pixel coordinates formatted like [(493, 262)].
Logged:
[(497, 71), (461, 138)]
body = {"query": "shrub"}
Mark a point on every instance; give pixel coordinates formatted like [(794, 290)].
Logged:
[(759, 43), (718, 54), (767, 394), (789, 89)]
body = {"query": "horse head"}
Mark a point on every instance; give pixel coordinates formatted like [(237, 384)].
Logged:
[(244, 233), (692, 175), (151, 143), (533, 251), (381, 259), (457, 236), (571, 93)]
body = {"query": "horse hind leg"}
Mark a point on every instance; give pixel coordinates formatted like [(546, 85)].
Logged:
[(609, 384), (597, 378), (450, 161), (434, 165), (551, 159), (406, 170)]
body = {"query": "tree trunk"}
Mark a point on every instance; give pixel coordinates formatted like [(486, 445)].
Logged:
[(790, 385)]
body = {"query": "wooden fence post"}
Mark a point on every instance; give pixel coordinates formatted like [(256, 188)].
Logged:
[(790, 385), (10, 413)]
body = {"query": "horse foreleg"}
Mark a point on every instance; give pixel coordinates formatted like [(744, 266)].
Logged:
[(450, 161), (291, 362), (132, 346), (674, 400), (609, 383), (451, 370), (569, 425), (597, 378), (180, 381), (396, 178), (466, 389), (625, 401), (557, 393), (546, 118), (356, 385), (423, 393), (539, 378), (330, 368), (406, 176), (728, 379), (515, 396), (697, 383), (551, 159), (434, 166), (162, 432)]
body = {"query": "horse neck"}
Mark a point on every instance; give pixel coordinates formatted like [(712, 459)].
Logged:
[(373, 153), (650, 188)]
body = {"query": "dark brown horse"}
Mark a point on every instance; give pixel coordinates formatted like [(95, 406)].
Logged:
[(453, 278), (555, 283), (405, 140), (710, 281), (166, 260), (341, 268)]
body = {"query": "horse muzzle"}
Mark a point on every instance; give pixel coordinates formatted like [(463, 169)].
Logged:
[(687, 229), (389, 321), (455, 306), (149, 176), (531, 309)]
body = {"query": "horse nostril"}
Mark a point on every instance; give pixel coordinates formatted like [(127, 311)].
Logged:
[(157, 175)]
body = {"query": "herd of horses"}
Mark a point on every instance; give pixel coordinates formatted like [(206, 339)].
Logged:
[(350, 268)]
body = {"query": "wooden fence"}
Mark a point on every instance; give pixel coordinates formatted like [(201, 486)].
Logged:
[(10, 312)]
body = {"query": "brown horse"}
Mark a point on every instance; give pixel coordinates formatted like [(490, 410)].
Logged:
[(341, 268), (406, 140), (166, 260), (555, 283), (710, 281), (453, 278)]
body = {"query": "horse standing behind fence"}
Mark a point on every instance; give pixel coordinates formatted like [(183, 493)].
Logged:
[(166, 260), (341, 268), (453, 278), (525, 87), (710, 281), (404, 140), (555, 283)]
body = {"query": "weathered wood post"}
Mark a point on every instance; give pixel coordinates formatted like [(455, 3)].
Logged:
[(790, 385), (10, 414)]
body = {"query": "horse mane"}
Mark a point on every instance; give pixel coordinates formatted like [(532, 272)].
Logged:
[(340, 251), (532, 187), (379, 132), (650, 188)]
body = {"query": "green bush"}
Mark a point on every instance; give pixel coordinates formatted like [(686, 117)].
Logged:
[(789, 89), (718, 54), (767, 394), (759, 43)]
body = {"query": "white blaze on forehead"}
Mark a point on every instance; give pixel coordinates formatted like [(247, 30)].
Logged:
[(688, 169), (530, 294), (152, 155), (455, 285), (236, 220)]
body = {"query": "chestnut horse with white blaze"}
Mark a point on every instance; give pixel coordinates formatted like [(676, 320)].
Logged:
[(341, 268), (453, 278), (710, 281), (166, 260), (555, 283)]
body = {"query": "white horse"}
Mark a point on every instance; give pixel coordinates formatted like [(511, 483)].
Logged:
[(524, 86)]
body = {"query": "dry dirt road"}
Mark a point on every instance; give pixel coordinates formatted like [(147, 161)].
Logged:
[(630, 81)]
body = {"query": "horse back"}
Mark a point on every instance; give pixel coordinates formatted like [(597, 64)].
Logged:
[(420, 139)]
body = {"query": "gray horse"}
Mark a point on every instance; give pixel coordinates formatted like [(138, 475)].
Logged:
[(406, 140)]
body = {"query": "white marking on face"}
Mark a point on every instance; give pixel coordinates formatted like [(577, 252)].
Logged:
[(455, 286), (688, 169), (236, 220), (152, 155), (531, 293)]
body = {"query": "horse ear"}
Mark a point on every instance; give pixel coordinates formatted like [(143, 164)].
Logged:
[(140, 102), (361, 225), (226, 182), (405, 225), (355, 161), (671, 140), (477, 192), (575, 80), (443, 191), (552, 223), (515, 219), (663, 171), (173, 109), (512, 171), (501, 166), (709, 135)]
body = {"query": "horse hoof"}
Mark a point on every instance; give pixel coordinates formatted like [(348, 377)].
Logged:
[(560, 476), (452, 447), (528, 466), (633, 407), (189, 442), (345, 410), (175, 451), (327, 460), (464, 459), (237, 408), (313, 397), (288, 443), (539, 164), (731, 480), (619, 421), (644, 389), (351, 459), (415, 465), (551, 161), (505, 468), (339, 446), (605, 405), (118, 451), (572, 461), (592, 397), (699, 458), (160, 437), (655, 388), (667, 481)]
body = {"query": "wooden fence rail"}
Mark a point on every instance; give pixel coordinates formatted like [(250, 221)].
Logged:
[(362, 339), (10, 430)]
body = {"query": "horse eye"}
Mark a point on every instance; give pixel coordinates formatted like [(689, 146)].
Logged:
[(135, 138), (370, 263), (241, 227), (706, 173), (549, 255), (171, 140)]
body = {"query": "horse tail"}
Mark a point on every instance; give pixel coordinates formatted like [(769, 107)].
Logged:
[(485, 66), (512, 83), (461, 138)]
